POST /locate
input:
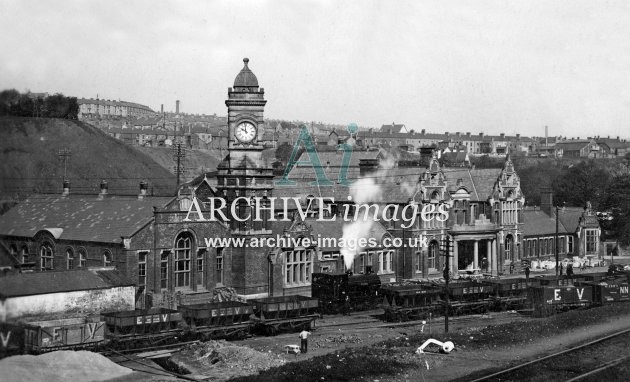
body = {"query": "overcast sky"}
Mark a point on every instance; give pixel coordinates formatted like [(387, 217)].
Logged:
[(470, 66)]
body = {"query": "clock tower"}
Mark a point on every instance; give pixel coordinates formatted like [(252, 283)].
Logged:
[(246, 105), (245, 180)]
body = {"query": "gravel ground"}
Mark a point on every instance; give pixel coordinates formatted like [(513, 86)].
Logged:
[(481, 343)]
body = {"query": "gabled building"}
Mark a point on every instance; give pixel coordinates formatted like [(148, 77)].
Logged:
[(578, 231)]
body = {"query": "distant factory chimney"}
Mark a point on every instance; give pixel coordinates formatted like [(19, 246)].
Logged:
[(177, 107), (546, 136), (162, 108), (103, 192), (143, 190), (66, 188)]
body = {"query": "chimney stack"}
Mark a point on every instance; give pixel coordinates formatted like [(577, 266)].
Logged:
[(103, 192), (177, 107), (66, 188), (546, 200), (162, 108), (143, 190)]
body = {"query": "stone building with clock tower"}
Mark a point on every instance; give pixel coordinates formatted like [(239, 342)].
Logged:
[(244, 175)]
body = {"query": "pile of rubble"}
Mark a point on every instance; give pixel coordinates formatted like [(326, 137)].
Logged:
[(225, 294), (221, 360), (335, 341), (60, 366)]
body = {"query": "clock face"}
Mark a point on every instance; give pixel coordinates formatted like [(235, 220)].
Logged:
[(245, 132)]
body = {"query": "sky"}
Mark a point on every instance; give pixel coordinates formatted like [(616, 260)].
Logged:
[(469, 66)]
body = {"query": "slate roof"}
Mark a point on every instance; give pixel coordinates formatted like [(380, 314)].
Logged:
[(479, 182), (334, 229), (537, 222), (27, 284), (80, 217), (572, 145)]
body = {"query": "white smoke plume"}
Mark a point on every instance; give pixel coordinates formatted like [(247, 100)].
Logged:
[(364, 190)]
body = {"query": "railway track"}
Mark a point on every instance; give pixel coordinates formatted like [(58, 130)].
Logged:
[(573, 364)]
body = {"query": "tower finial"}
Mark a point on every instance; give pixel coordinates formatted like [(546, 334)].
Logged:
[(246, 60)]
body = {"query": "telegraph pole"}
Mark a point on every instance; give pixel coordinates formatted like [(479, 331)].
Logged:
[(556, 241), (446, 252), (178, 155)]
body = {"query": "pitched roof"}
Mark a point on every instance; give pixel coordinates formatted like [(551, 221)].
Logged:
[(27, 284), (479, 182), (80, 217), (537, 222), (572, 145), (334, 229)]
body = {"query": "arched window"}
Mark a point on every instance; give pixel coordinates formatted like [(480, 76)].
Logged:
[(107, 258), (183, 251), (69, 258), (46, 256), (82, 258)]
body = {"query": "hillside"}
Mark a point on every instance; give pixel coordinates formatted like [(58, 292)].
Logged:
[(29, 150), (195, 162)]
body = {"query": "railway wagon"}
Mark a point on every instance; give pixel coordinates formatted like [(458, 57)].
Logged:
[(548, 300), (137, 328), (410, 301), (470, 297), (11, 339), (286, 313), (227, 319), (510, 293), (341, 293), (65, 333), (609, 290)]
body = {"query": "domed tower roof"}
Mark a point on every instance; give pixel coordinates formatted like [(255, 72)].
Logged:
[(246, 78)]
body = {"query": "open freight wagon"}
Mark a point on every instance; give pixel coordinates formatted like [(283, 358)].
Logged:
[(133, 329), (273, 315), (227, 319), (410, 301)]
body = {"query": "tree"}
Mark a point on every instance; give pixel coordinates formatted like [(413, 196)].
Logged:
[(283, 152), (8, 98), (581, 183), (617, 202)]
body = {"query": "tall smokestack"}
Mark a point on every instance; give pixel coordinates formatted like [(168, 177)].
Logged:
[(162, 108), (546, 135), (177, 107)]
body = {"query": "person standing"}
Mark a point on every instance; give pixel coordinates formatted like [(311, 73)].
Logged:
[(527, 274), (304, 341), (561, 268)]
